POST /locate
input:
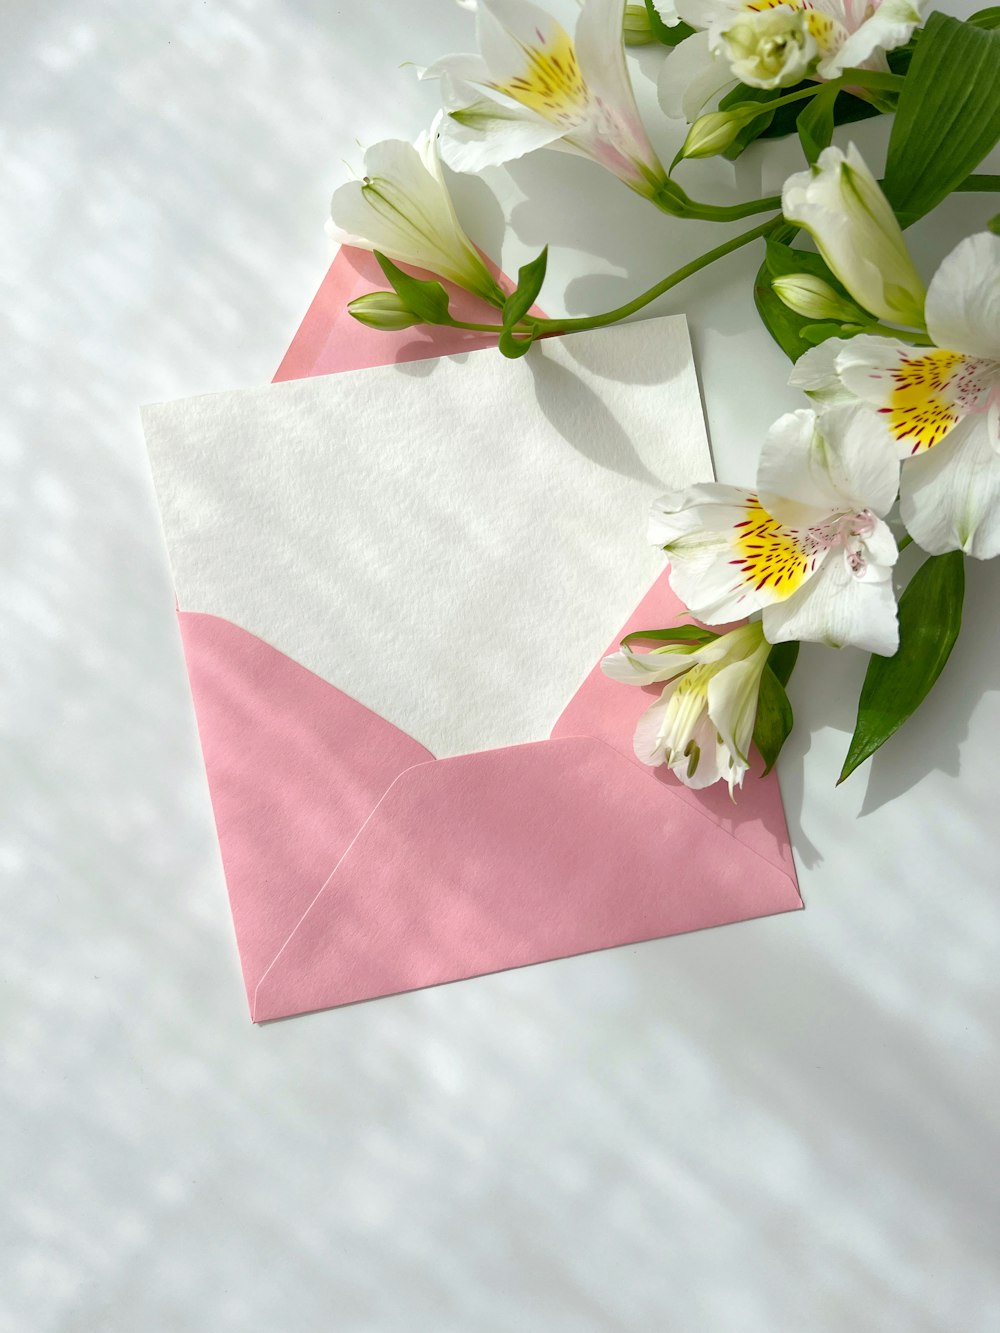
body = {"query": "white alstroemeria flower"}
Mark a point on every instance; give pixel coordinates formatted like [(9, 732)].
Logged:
[(940, 405), (839, 202), (774, 45), (402, 208), (809, 548), (535, 86), (702, 723)]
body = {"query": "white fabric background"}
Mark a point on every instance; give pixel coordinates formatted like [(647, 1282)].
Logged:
[(787, 1125)]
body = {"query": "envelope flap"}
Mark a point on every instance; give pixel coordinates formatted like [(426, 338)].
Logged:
[(294, 766), (330, 339), (499, 859)]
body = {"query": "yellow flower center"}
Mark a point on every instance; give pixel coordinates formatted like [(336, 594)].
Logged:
[(930, 393), (771, 555), (828, 34), (551, 84)]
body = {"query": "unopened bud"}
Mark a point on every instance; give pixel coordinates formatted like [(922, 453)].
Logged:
[(637, 30), (814, 298), (712, 134), (382, 310)]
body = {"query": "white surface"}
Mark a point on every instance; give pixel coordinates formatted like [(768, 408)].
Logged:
[(781, 1126), (452, 545)]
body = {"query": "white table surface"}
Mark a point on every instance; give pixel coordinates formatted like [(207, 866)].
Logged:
[(789, 1125)]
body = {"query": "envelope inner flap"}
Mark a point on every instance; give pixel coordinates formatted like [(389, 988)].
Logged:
[(451, 542)]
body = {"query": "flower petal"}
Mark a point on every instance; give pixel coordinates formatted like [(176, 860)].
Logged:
[(815, 372), (890, 26), (732, 704), (488, 133), (949, 497), (691, 77), (793, 481), (963, 300), (812, 468), (510, 30), (839, 609), (630, 668), (921, 392), (728, 557)]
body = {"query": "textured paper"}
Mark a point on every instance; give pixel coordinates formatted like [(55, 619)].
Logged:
[(451, 543)]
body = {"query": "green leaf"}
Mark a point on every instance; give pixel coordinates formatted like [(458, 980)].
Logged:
[(815, 123), (986, 18), (678, 634), (785, 326), (814, 334), (427, 300), (529, 283), (774, 718), (994, 225), (930, 616), (948, 116), (782, 324), (779, 123), (669, 36), (782, 658)]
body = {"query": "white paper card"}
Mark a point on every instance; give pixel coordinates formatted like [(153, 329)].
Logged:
[(451, 542)]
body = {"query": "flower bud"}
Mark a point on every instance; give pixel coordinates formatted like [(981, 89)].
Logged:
[(839, 202), (712, 133), (814, 298), (382, 310), (637, 31)]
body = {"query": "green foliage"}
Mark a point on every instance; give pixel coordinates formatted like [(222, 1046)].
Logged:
[(948, 117), (667, 35), (677, 634), (782, 658), (783, 121), (930, 616), (793, 333), (774, 718), (529, 283), (427, 300), (815, 123)]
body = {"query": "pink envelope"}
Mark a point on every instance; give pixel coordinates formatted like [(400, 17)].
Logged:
[(358, 865)]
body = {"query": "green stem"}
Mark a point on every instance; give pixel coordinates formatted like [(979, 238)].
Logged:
[(731, 212), (664, 285), (538, 327), (904, 542), (477, 328), (918, 339)]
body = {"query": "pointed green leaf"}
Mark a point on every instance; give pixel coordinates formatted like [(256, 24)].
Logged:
[(774, 718), (427, 300), (815, 123), (930, 616), (948, 116), (669, 36), (986, 18), (678, 634), (782, 658), (529, 283)]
